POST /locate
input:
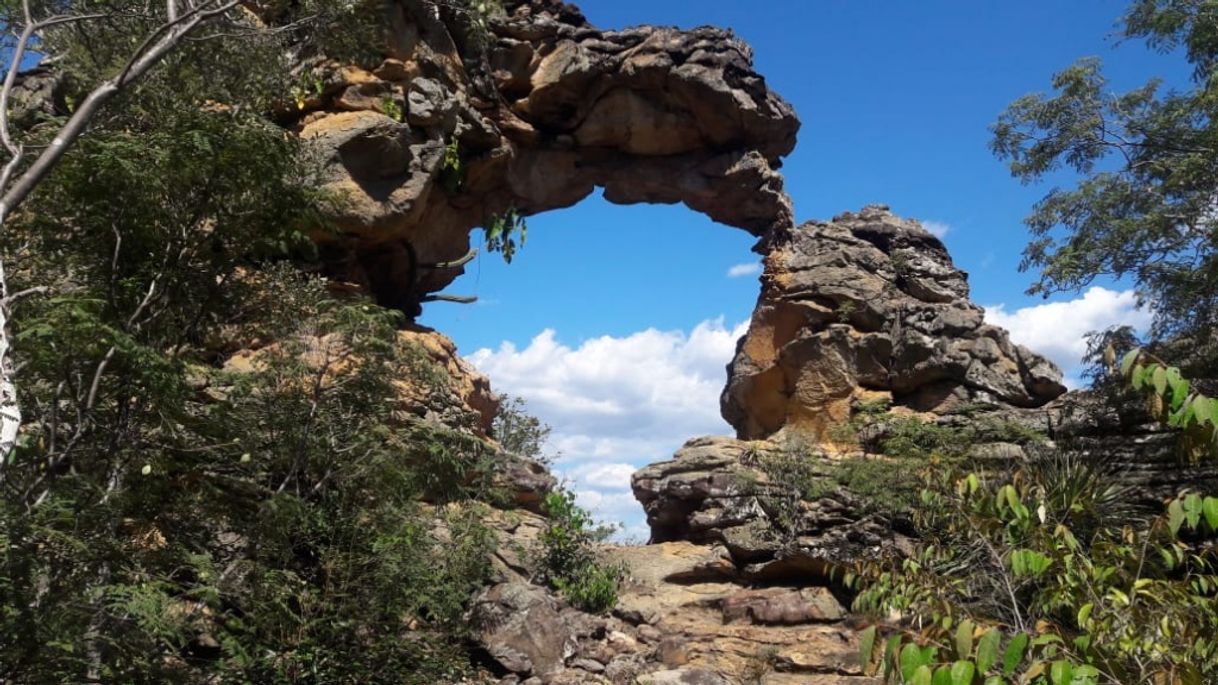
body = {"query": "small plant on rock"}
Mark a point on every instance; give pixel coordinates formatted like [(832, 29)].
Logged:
[(569, 561)]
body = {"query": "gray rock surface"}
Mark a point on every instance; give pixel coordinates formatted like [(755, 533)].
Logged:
[(539, 114), (869, 305), (713, 491)]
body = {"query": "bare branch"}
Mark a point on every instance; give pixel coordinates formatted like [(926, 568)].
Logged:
[(459, 299), (159, 43), (465, 259)]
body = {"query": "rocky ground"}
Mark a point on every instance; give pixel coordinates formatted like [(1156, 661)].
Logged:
[(687, 614)]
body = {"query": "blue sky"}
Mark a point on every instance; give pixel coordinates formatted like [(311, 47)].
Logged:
[(895, 99)]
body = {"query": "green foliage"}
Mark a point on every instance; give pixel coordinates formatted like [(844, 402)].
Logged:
[(213, 483), (1046, 576), (519, 432), (568, 559), (392, 108), (1171, 399), (452, 169), (1143, 207), (845, 309), (907, 446), (501, 230)]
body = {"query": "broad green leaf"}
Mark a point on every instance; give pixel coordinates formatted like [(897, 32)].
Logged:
[(1127, 362), (920, 676), (1209, 507), (987, 650), (962, 672), (942, 676), (1085, 671), (1014, 654), (1175, 516), (1192, 509), (964, 639), (911, 659), (1138, 377), (1084, 613), (866, 647), (1029, 562), (1159, 379), (1204, 410), (1060, 672), (1179, 387)]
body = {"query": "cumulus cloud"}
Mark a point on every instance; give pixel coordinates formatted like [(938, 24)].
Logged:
[(617, 403), (746, 269), (1057, 329), (937, 228)]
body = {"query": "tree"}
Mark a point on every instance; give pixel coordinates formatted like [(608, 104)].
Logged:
[(35, 27), (1145, 205), (519, 432), (211, 485)]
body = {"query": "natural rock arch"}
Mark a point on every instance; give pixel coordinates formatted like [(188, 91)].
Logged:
[(448, 131), (550, 109)]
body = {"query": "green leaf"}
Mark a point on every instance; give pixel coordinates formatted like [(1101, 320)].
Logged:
[(911, 659), (1014, 654), (890, 654), (1085, 671), (1138, 378), (1159, 379), (1192, 509), (962, 672), (866, 647), (1175, 516), (1028, 562), (1060, 672), (943, 676), (1203, 410), (1084, 613), (964, 639), (1179, 387), (920, 676), (987, 650), (1128, 360), (1209, 507)]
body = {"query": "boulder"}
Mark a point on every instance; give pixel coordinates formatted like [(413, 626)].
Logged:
[(869, 304), (714, 491)]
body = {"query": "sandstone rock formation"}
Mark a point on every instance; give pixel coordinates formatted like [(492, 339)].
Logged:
[(686, 616), (862, 306), (540, 113), (714, 492)]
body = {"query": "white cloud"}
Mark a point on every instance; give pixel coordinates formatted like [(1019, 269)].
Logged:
[(618, 403), (746, 269), (936, 228), (1056, 329)]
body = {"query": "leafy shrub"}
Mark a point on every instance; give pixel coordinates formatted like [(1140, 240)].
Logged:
[(519, 432), (568, 558), (1046, 576)]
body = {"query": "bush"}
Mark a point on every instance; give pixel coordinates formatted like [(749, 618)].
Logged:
[(568, 557), (1046, 576)]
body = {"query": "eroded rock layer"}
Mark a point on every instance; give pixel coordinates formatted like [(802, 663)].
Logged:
[(452, 129), (686, 615), (714, 491), (869, 303)]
